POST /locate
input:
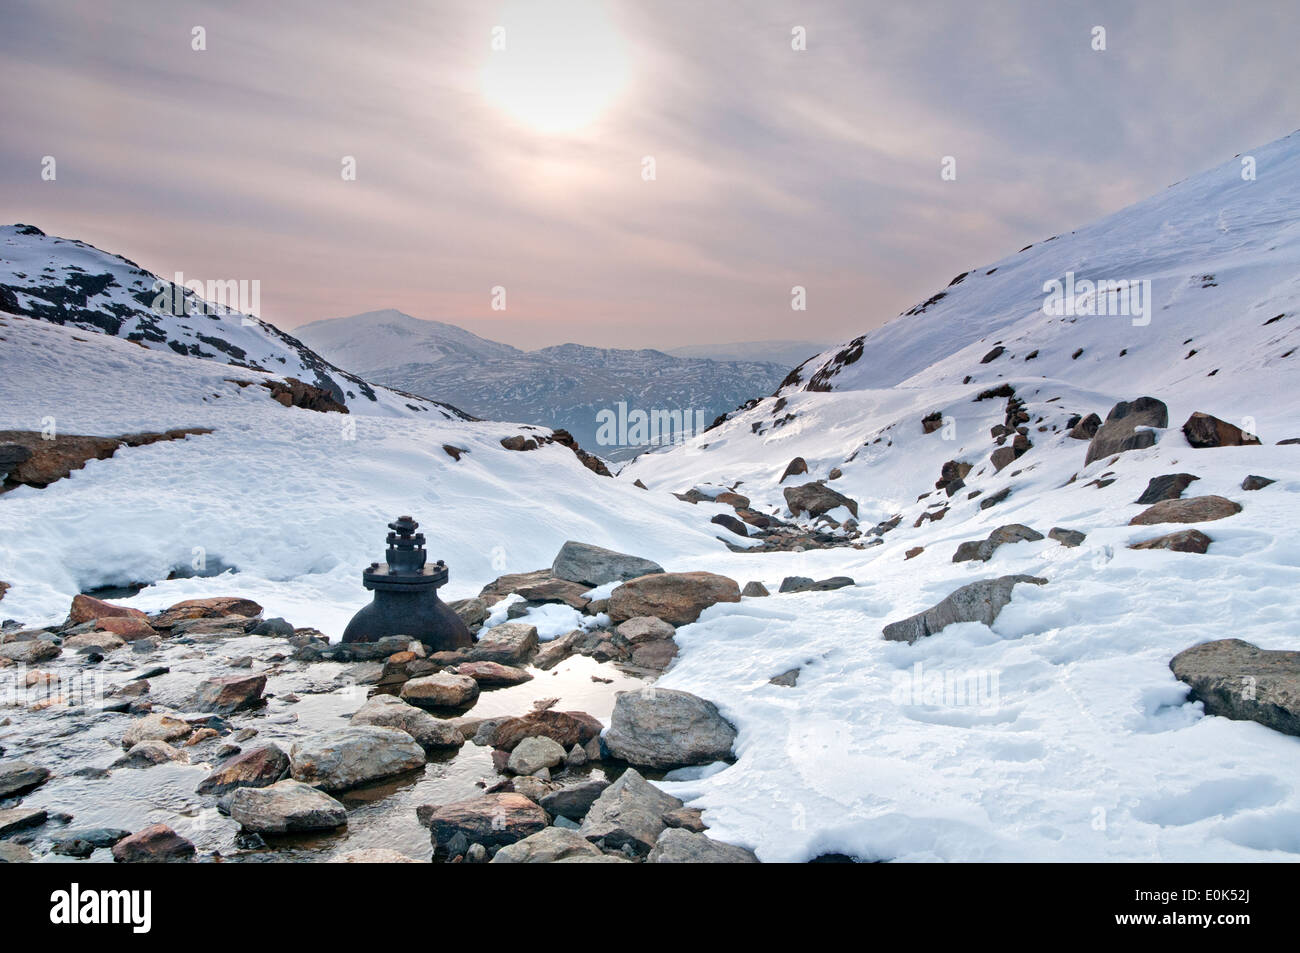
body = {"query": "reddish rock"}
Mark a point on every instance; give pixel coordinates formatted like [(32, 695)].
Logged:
[(678, 598), (490, 820), (1195, 509), (210, 608), (227, 695), (567, 728), (156, 844), (1202, 430), (90, 609), (493, 673), (258, 768), (126, 628), (1184, 541)]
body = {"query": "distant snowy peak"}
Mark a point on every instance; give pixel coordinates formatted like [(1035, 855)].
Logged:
[(389, 338), (71, 283)]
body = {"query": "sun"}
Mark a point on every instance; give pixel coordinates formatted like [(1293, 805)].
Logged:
[(555, 65)]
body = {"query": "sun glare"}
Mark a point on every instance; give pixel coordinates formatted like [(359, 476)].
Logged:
[(554, 65)]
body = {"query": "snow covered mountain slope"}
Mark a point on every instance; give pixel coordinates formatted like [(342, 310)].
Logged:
[(564, 386), (785, 353), (76, 285), (296, 501)]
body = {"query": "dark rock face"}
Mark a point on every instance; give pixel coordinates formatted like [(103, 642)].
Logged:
[(805, 584), (1196, 509), (292, 392), (978, 602), (795, 467), (1170, 486), (1121, 430), (258, 768), (731, 523), (19, 777), (1238, 680), (1254, 482), (1184, 541), (1202, 430), (1086, 427), (816, 499), (1067, 537)]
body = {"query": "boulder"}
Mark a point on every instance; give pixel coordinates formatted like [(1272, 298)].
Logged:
[(430, 733), (342, 758), (19, 777), (443, 690), (982, 550), (686, 818), (805, 584), (549, 846), (1235, 679), (1195, 509), (493, 673), (14, 819), (126, 628), (552, 590), (1184, 541), (816, 499), (212, 608), (502, 586), (1125, 428), (645, 628), (1086, 428), (754, 590), (257, 768), (730, 523), (224, 696), (1202, 430), (471, 611), (1170, 486), (284, 807), (664, 728), (507, 643), (11, 853), (101, 642), (156, 727), (574, 800), (534, 753), (787, 679), (490, 819), (795, 467), (677, 598), (30, 652), (677, 846), (977, 602), (554, 652), (1254, 482), (654, 655), (595, 566), (565, 728), (629, 813), (148, 753), (1069, 538), (89, 609), (156, 844)]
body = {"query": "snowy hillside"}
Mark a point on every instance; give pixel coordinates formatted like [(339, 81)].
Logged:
[(565, 386), (76, 285)]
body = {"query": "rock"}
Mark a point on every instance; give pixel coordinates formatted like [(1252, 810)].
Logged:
[(490, 819), (228, 695), (443, 690), (31, 652), (576, 757), (816, 499), (552, 590), (1002, 457), (534, 753), (286, 806), (1185, 541), (677, 846), (148, 753), (471, 611), (983, 550), (532, 786), (89, 609), (372, 855), (787, 679), (734, 500), (276, 627), (1124, 428), (1238, 680), (493, 673), (256, 768), (575, 800), (156, 727), (386, 711), (212, 608), (14, 819), (685, 818), (97, 641), (11, 853), (804, 584), (506, 643), (1167, 487), (1253, 482), (595, 566), (1196, 509), (1067, 537), (730, 523), (156, 844), (1202, 430), (795, 467), (664, 728), (554, 652), (19, 777), (344, 758), (564, 728), (549, 846), (1086, 428), (980, 601), (82, 843), (128, 629), (755, 590), (629, 813), (677, 598), (995, 499), (645, 628), (654, 655)]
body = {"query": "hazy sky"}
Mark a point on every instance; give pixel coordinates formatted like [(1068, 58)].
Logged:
[(522, 167)]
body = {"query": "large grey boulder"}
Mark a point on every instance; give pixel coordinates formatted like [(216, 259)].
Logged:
[(977, 602), (443, 690), (983, 549), (429, 732), (595, 566), (156, 727), (677, 846), (629, 813), (534, 753), (508, 643), (286, 806), (1123, 429), (1238, 680), (1192, 509), (816, 499), (1168, 486), (343, 758), (550, 846), (224, 696), (678, 598), (664, 728)]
